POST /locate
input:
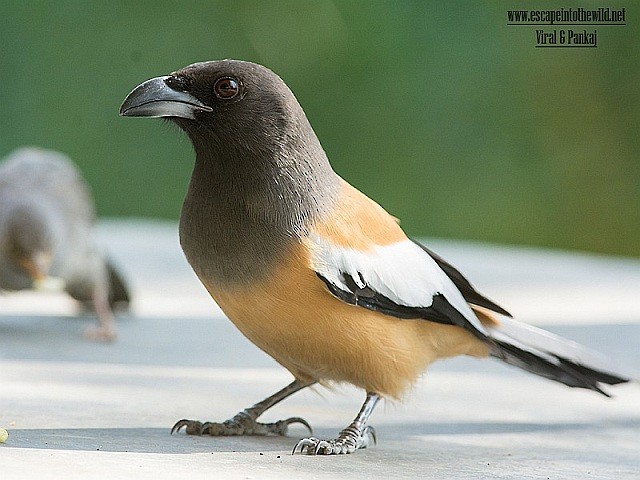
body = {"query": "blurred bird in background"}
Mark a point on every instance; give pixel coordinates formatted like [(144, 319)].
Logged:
[(46, 221), (311, 270)]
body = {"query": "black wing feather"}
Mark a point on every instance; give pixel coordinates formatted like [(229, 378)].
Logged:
[(440, 310), (544, 363), (469, 293)]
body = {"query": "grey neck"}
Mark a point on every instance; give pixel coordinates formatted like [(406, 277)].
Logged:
[(244, 209)]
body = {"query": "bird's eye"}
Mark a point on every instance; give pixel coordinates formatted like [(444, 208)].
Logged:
[(226, 88)]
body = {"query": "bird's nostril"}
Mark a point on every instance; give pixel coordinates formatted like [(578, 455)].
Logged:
[(176, 83)]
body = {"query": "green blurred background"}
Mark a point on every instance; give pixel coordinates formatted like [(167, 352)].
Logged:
[(448, 117)]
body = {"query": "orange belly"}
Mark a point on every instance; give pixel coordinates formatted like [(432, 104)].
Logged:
[(293, 318)]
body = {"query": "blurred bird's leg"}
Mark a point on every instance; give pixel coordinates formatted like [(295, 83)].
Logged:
[(105, 331), (245, 422), (357, 435)]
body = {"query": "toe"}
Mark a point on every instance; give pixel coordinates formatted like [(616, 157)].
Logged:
[(192, 427), (323, 448), (305, 445), (370, 433)]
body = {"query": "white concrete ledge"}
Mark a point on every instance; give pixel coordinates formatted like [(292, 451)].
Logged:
[(79, 410)]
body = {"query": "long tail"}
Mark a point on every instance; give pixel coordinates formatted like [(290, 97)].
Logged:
[(551, 356)]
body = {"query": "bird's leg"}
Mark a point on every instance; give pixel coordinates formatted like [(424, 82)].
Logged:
[(105, 331), (245, 422), (357, 435)]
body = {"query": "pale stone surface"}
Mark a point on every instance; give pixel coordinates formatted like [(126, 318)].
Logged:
[(80, 410)]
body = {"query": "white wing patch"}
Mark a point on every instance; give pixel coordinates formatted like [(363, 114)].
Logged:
[(402, 272)]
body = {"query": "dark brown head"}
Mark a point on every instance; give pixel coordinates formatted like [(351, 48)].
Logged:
[(227, 105), (261, 175)]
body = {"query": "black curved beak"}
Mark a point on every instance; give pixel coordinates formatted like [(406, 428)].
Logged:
[(154, 98)]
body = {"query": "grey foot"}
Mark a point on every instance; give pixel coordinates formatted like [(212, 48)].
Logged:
[(241, 424), (350, 439)]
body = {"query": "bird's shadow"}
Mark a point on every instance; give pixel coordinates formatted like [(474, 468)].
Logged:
[(159, 440), (141, 440)]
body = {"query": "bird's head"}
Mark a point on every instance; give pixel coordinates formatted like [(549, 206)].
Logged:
[(28, 245), (258, 161), (225, 104)]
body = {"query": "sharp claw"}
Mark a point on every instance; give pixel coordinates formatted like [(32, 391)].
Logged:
[(371, 431), (179, 424), (324, 446), (192, 427), (305, 442), (292, 420)]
